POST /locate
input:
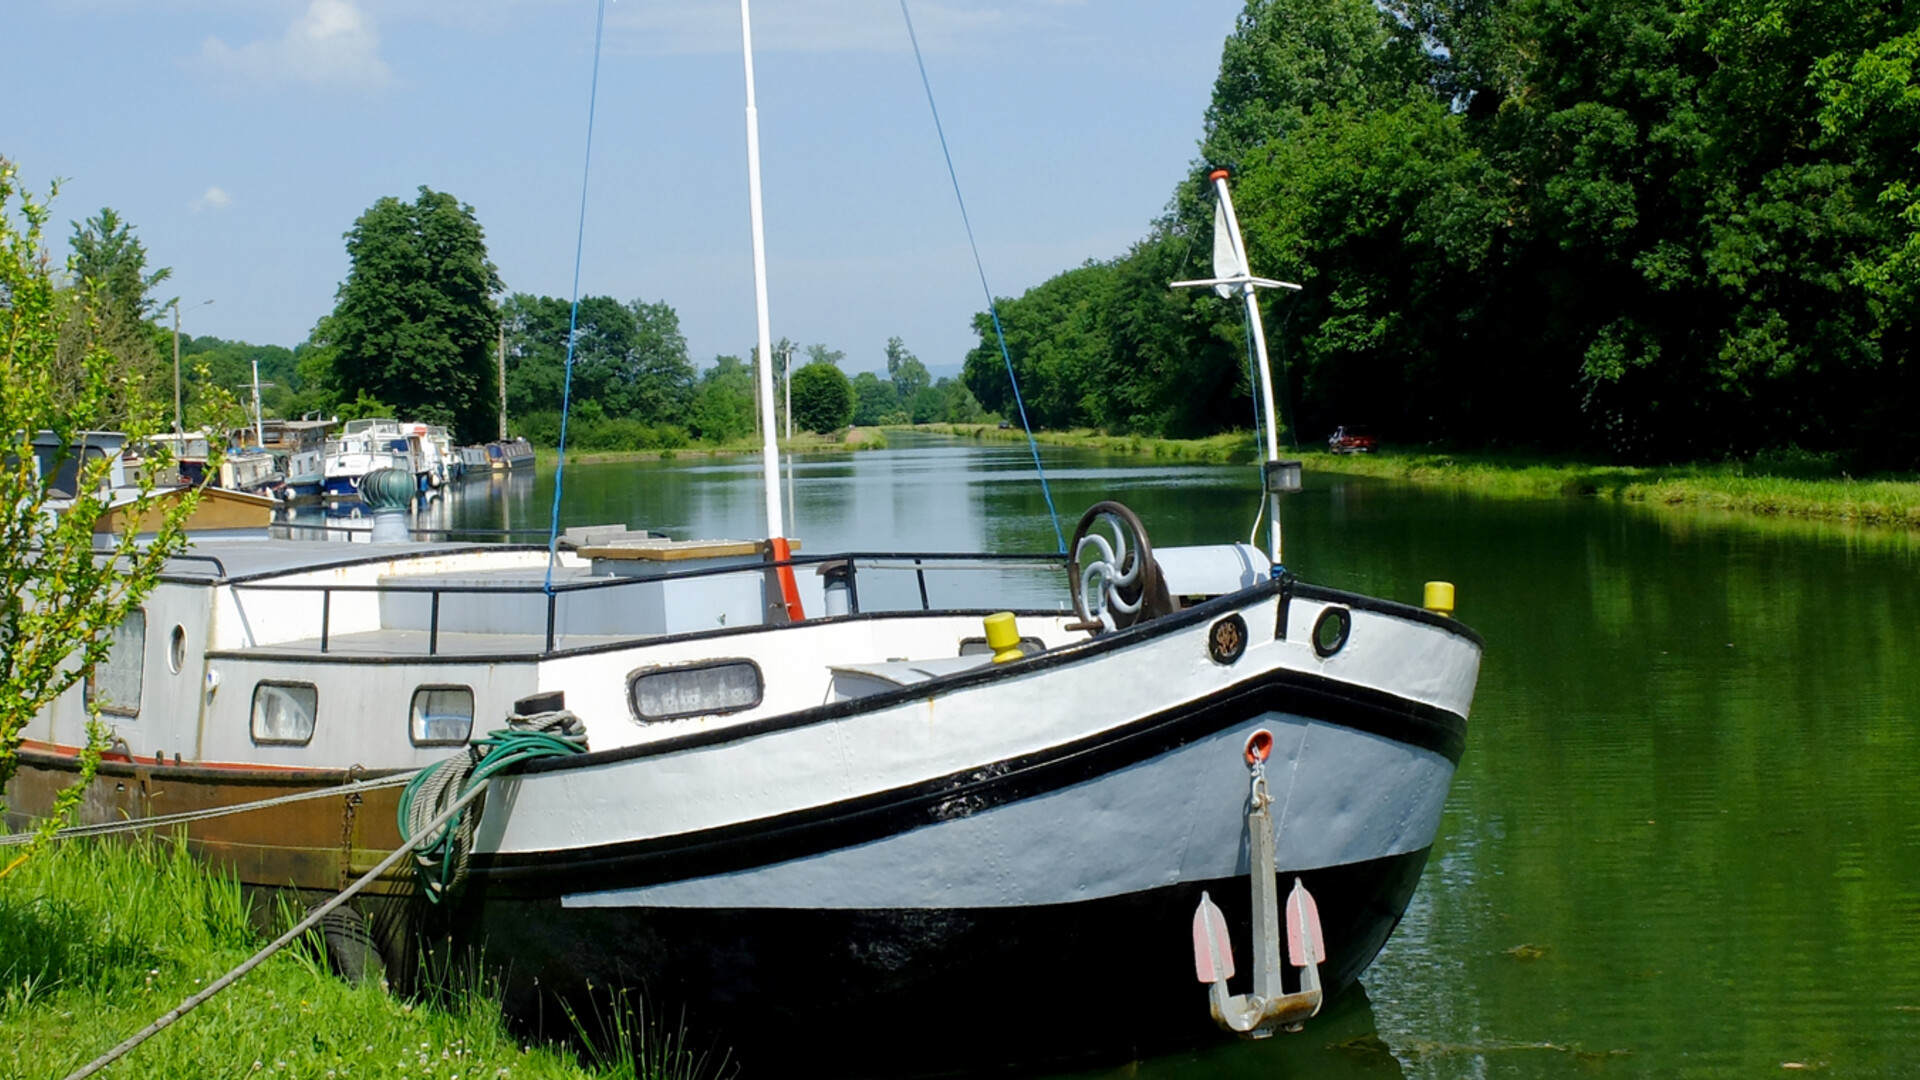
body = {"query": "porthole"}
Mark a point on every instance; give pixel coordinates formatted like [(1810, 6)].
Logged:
[(441, 716), (283, 713), (720, 686), (1330, 631), (177, 649)]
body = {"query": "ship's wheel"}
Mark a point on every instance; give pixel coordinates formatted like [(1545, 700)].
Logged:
[(1112, 575)]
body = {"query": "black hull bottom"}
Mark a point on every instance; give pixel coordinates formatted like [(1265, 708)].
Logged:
[(910, 992)]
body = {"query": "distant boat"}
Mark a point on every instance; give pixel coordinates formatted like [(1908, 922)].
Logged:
[(365, 445), (474, 461), (514, 453), (299, 452)]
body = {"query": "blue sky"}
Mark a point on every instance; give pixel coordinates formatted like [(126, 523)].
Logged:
[(243, 138)]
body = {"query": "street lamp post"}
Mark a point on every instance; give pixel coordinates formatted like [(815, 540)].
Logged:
[(175, 305), (787, 377)]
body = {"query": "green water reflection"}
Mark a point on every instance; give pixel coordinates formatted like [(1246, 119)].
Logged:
[(1685, 840)]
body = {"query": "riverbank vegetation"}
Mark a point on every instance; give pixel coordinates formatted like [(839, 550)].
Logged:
[(1778, 484), (1641, 231), (99, 937)]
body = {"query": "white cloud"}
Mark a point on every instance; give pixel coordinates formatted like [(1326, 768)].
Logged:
[(333, 45), (214, 198)]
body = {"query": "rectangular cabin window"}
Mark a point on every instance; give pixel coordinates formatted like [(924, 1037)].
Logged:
[(721, 686), (283, 713), (115, 683), (441, 716)]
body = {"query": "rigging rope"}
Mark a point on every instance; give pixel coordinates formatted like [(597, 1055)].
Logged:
[(573, 316), (992, 308)]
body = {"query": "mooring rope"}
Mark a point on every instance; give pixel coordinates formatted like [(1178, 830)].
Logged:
[(993, 309), (78, 832), (312, 920), (441, 857), (573, 317)]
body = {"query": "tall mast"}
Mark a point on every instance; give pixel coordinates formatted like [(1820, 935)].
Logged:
[(770, 448), (1232, 275)]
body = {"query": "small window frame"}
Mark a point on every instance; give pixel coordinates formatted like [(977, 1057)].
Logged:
[(635, 676), (90, 689), (426, 688), (253, 712)]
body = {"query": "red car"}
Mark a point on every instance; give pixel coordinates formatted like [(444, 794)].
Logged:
[(1350, 440)]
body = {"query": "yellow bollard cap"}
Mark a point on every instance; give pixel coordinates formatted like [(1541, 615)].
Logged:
[(1003, 637), (1439, 598)]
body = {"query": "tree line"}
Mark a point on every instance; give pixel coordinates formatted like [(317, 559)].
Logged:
[(422, 329), (1649, 228)]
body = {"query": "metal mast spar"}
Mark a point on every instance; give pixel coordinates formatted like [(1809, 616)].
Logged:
[(1234, 276), (770, 447)]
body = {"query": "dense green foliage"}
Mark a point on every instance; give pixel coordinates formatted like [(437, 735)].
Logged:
[(822, 398), (723, 403), (65, 375), (1652, 228), (414, 324), (633, 384)]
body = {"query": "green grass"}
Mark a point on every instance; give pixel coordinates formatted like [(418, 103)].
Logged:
[(1232, 447), (98, 938), (805, 442), (1786, 484)]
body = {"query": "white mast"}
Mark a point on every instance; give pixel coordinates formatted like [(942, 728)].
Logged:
[(1233, 276), (770, 449), (259, 428)]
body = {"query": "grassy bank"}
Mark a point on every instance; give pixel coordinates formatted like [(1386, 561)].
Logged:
[(1225, 448), (99, 938), (1786, 486), (805, 442)]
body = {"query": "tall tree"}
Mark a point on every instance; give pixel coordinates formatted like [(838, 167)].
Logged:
[(111, 303), (415, 324), (822, 398), (908, 374), (630, 359)]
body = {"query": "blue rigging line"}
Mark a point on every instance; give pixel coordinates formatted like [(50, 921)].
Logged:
[(992, 308), (573, 316)]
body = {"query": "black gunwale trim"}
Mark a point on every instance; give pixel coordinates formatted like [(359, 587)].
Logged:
[(748, 844), (1120, 639), (1361, 602)]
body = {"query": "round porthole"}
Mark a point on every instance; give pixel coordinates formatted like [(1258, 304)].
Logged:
[(177, 649), (1330, 631), (1227, 640)]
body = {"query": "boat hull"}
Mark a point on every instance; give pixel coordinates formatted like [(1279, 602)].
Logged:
[(911, 991)]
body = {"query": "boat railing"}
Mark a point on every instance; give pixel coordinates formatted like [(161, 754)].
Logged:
[(919, 564)]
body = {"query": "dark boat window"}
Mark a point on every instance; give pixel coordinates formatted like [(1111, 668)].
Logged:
[(720, 686), (177, 649), (441, 716), (283, 713), (115, 683)]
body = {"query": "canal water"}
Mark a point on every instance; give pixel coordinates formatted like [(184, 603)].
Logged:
[(1685, 839)]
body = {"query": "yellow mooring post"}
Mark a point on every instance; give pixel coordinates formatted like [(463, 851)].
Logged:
[(1003, 637), (1439, 598)]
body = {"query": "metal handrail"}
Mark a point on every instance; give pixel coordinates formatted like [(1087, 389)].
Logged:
[(873, 561)]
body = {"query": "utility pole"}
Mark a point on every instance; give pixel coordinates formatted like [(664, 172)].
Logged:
[(175, 305), (503, 380), (788, 377)]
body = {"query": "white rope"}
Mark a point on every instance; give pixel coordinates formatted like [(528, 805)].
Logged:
[(77, 832)]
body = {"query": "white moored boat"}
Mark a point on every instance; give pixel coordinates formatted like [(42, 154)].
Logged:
[(873, 812)]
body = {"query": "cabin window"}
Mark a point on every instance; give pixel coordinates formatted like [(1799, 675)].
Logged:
[(283, 713), (720, 686), (177, 649), (114, 685), (441, 716)]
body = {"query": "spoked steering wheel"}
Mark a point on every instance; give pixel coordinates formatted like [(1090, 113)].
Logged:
[(1112, 575)]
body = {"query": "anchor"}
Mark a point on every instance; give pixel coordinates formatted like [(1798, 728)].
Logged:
[(1269, 1006)]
